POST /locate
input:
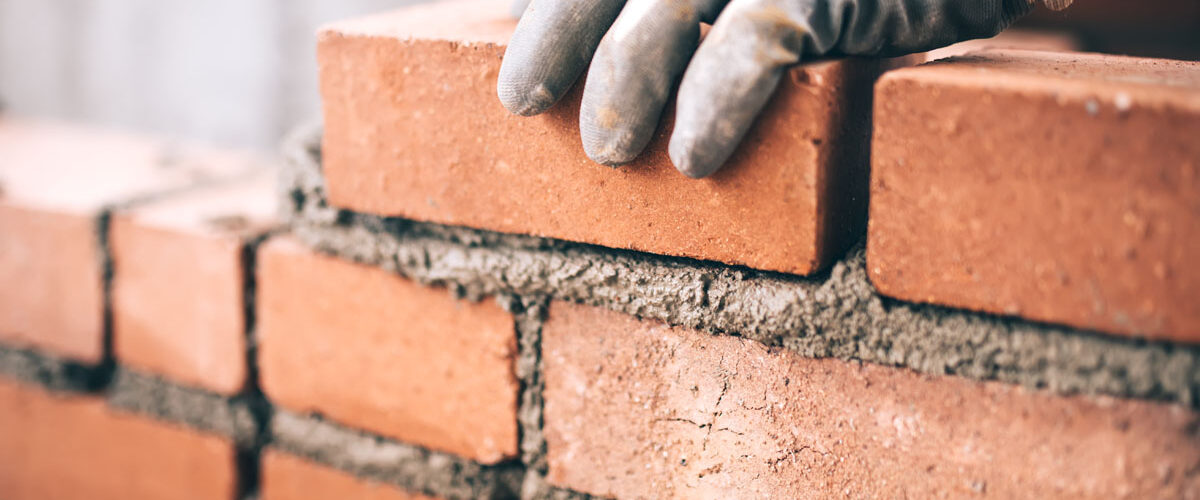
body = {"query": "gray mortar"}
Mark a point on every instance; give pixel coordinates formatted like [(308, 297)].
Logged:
[(199, 409), (838, 314), (529, 318), (380, 459), (48, 371)]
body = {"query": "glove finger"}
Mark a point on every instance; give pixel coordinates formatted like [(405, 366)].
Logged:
[(731, 77), (551, 46), (517, 7), (632, 73)]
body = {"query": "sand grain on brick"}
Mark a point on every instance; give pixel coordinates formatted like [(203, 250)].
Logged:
[(1058, 187), (374, 351), (414, 128), (635, 409), (55, 446)]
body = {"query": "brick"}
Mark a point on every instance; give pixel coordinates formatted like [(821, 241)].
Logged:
[(179, 280), (1023, 39), (55, 183), (413, 128), (74, 447), (1057, 187), (636, 409), (374, 351), (287, 477)]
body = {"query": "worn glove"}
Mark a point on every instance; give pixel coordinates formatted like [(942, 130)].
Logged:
[(638, 50)]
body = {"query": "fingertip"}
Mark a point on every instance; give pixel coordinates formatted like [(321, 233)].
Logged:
[(689, 160), (525, 99), (609, 155)]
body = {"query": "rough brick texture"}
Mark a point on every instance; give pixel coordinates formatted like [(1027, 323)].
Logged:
[(56, 182), (414, 129), (286, 477), (74, 447), (367, 348), (635, 409), (1058, 187), (179, 278)]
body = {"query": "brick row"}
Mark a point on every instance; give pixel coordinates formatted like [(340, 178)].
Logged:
[(56, 183), (637, 409), (413, 128)]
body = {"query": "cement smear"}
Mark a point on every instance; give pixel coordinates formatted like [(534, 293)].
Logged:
[(49, 371), (380, 459), (838, 314)]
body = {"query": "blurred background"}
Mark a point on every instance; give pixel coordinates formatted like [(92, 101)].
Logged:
[(240, 73)]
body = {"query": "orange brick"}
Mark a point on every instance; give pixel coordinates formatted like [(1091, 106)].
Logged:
[(413, 128), (178, 285), (286, 477), (636, 409), (55, 182), (74, 447), (1058, 187), (374, 351)]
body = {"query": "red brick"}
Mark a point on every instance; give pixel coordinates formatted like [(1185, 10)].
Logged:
[(636, 409), (286, 477), (1058, 187), (74, 447), (374, 351), (413, 128), (178, 301), (55, 181)]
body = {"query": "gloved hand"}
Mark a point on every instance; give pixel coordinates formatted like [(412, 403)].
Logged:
[(638, 50)]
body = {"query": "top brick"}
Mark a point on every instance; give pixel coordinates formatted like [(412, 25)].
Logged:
[(1060, 187), (413, 128)]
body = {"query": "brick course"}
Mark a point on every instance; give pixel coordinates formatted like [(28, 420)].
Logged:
[(1054, 186), (178, 302), (414, 129), (636, 409), (374, 351), (56, 183), (57, 446)]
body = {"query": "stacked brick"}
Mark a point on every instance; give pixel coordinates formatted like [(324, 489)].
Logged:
[(455, 304)]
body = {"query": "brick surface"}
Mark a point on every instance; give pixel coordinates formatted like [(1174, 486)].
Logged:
[(377, 352), (178, 285), (55, 181), (74, 447), (287, 477), (635, 409), (1058, 187), (413, 128)]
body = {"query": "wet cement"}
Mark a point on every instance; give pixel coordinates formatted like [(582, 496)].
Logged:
[(837, 314)]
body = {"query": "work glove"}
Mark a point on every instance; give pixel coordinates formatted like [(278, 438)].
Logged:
[(639, 49)]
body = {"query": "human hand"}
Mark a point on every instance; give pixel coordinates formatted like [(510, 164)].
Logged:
[(639, 49)]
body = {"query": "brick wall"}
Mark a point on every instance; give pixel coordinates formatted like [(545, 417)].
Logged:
[(388, 320)]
